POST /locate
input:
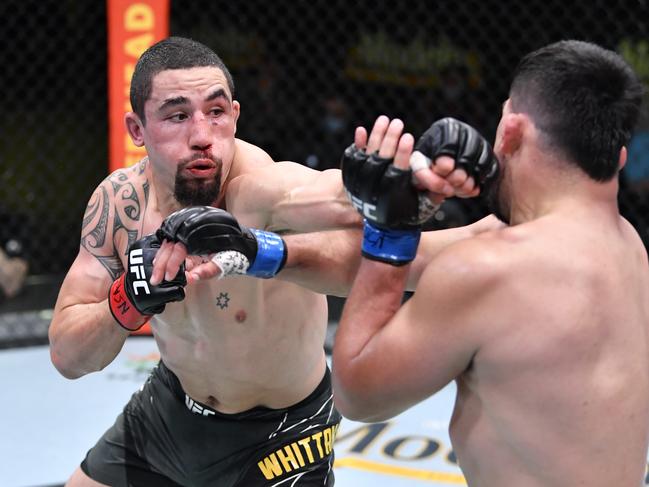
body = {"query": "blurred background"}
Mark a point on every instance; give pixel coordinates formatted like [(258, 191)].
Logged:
[(306, 73)]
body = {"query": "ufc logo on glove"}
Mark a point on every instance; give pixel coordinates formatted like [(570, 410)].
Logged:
[(368, 210), (132, 308), (136, 267)]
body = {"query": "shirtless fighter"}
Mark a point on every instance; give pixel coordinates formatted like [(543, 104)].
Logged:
[(242, 394), (543, 324)]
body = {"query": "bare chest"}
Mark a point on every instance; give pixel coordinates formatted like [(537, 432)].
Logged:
[(242, 342), (240, 322)]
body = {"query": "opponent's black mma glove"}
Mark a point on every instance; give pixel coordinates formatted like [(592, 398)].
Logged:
[(461, 142), (382, 193), (393, 208), (132, 299), (239, 250)]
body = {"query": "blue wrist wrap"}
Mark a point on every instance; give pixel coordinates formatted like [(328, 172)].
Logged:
[(271, 254), (396, 247)]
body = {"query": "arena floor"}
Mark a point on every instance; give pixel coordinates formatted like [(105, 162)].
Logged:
[(49, 422)]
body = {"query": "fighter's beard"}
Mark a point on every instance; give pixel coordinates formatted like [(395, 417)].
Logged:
[(193, 192)]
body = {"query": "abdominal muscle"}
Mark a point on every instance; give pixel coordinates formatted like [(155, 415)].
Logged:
[(242, 342)]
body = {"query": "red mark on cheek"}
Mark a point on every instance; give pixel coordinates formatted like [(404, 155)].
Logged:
[(240, 316)]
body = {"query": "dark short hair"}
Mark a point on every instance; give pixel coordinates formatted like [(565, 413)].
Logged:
[(170, 53), (583, 98)]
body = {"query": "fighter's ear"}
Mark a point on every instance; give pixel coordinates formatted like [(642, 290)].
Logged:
[(135, 128), (236, 110), (513, 128), (621, 162)]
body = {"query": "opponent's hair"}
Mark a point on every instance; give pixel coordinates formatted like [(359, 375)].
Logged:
[(170, 53), (584, 99)]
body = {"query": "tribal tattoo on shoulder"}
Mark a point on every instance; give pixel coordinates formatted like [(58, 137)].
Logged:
[(115, 209)]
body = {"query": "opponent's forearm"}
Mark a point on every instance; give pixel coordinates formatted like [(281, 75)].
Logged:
[(356, 362), (84, 338)]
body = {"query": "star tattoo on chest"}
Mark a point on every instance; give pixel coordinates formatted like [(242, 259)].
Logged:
[(222, 300)]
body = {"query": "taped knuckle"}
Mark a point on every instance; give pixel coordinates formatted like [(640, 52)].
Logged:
[(426, 208)]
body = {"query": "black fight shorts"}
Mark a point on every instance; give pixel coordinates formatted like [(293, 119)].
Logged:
[(164, 438)]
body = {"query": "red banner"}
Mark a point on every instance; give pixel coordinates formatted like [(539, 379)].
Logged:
[(133, 26)]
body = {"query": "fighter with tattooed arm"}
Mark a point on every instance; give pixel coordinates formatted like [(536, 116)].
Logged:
[(242, 394)]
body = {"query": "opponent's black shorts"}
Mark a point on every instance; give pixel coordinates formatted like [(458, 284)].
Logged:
[(164, 438)]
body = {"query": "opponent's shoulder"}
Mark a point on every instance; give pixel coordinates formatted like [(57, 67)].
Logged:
[(633, 237), (637, 255), (476, 264), (465, 287)]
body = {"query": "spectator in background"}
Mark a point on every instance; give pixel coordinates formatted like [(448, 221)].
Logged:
[(261, 88), (13, 271), (333, 133), (13, 263)]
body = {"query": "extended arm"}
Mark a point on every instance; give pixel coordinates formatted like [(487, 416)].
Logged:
[(294, 200), (311, 256), (327, 262), (297, 199), (286, 197)]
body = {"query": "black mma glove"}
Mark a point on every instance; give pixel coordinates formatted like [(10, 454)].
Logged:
[(132, 299), (393, 208), (463, 143), (239, 250)]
